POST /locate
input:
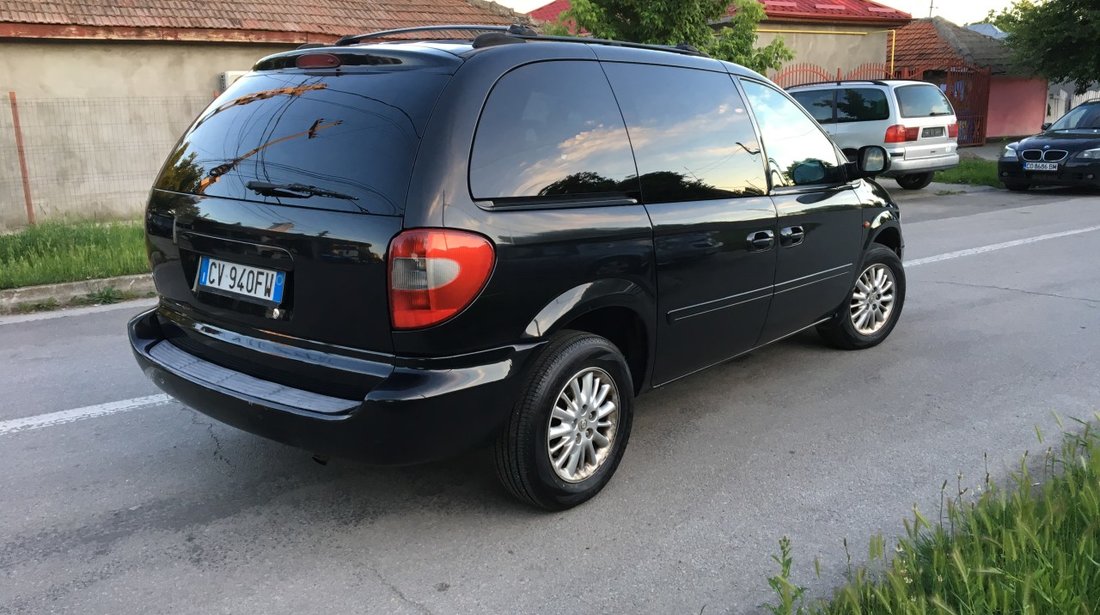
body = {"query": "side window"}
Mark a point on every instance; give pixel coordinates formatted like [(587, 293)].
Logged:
[(861, 105), (551, 130), (798, 152), (818, 102), (691, 132)]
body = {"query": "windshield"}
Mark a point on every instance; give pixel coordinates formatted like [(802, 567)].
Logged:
[(342, 141), (1082, 118)]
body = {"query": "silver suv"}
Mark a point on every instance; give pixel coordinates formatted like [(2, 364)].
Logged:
[(913, 120)]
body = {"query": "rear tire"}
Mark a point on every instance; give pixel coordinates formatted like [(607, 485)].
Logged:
[(1017, 186), (873, 306), (914, 181), (570, 426)]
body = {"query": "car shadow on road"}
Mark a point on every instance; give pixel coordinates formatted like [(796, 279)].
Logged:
[(249, 469)]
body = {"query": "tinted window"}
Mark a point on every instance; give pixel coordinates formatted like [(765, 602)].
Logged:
[(338, 141), (861, 105), (693, 139), (922, 101), (1083, 117), (551, 130), (798, 152), (818, 102)]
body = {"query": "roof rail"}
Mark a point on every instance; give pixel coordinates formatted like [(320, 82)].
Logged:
[(843, 81), (492, 39), (517, 29), (492, 35)]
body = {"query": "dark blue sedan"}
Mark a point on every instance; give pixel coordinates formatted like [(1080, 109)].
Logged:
[(1066, 153)]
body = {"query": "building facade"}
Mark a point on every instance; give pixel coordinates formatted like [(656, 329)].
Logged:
[(845, 37), (102, 91)]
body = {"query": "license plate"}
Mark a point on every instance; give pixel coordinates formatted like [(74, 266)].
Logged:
[(241, 280), (1040, 166), (933, 132)]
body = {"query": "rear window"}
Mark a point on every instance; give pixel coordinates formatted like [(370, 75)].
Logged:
[(818, 102), (336, 141), (922, 101), (861, 105)]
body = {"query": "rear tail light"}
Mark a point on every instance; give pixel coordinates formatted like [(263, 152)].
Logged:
[(435, 274), (901, 134), (953, 131)]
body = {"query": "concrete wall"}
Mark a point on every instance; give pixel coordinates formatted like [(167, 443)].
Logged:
[(830, 47), (1017, 107), (98, 118)]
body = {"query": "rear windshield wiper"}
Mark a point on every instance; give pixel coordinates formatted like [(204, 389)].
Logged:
[(295, 191)]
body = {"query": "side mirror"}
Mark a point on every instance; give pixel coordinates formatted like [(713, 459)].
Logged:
[(1046, 125), (808, 172), (871, 161)]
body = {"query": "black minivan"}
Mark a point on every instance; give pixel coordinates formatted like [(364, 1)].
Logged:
[(400, 251)]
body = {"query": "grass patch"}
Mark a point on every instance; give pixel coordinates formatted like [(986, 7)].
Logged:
[(105, 296), (972, 171), (54, 252), (1031, 547)]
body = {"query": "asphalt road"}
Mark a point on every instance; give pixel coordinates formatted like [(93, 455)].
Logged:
[(158, 510)]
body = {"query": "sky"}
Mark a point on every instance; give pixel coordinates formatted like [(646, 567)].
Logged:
[(958, 11)]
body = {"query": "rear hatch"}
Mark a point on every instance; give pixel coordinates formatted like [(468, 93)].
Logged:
[(273, 215), (923, 107)]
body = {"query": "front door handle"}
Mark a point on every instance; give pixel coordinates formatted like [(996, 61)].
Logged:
[(761, 240), (791, 236)]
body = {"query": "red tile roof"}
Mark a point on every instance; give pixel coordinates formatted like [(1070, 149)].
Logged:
[(550, 11), (938, 44), (235, 20), (919, 45), (833, 11)]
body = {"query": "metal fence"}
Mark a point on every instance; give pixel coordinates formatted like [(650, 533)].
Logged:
[(804, 72), (85, 158)]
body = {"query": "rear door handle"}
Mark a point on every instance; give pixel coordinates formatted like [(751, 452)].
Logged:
[(761, 240), (791, 236)]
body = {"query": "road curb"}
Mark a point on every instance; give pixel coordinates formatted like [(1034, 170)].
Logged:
[(14, 299)]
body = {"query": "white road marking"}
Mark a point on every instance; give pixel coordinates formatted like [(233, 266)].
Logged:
[(996, 246), (78, 414)]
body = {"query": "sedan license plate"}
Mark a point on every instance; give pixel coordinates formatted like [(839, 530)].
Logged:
[(1040, 166), (241, 280)]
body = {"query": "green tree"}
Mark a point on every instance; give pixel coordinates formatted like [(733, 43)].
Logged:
[(1055, 38), (672, 22), (1006, 18)]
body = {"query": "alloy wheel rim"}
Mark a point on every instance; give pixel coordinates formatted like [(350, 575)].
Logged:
[(873, 299), (582, 426)]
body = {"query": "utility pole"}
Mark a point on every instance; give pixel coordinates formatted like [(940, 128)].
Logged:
[(931, 7)]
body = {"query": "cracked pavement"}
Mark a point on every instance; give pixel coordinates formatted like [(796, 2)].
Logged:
[(161, 510)]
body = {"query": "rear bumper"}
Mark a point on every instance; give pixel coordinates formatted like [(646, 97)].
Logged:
[(901, 166), (433, 410), (1068, 174)]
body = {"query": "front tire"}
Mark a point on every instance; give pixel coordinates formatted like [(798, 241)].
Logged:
[(873, 306), (570, 426), (914, 181)]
